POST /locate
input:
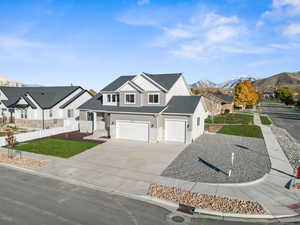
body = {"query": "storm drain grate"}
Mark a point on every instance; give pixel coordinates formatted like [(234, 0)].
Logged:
[(178, 219)]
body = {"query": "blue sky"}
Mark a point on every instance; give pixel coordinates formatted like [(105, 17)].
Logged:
[(91, 42)]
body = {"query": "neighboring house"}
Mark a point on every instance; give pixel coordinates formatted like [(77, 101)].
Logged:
[(41, 107), (227, 102), (213, 104), (145, 107), (218, 103)]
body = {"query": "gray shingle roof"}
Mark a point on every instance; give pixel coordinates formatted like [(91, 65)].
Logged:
[(165, 80), (46, 97), (182, 105), (117, 83), (178, 105), (225, 98)]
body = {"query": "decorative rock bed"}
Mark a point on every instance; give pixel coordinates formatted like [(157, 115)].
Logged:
[(205, 201), (296, 186), (21, 161)]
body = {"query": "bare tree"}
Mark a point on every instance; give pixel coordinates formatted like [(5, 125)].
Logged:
[(11, 142)]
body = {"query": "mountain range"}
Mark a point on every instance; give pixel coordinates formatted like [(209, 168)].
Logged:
[(227, 84)]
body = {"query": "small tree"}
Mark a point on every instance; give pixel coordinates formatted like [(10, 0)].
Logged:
[(11, 142), (195, 91), (245, 94), (285, 94)]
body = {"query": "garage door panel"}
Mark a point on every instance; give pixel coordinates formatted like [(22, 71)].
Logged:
[(133, 130), (175, 130)]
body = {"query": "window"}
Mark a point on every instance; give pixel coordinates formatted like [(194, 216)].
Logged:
[(90, 116), (108, 98), (23, 114), (153, 98), (118, 98), (70, 113), (130, 98), (198, 121), (113, 98), (50, 113)]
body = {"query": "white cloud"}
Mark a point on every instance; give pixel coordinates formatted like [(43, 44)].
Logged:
[(283, 8), (213, 19), (292, 29), (143, 2), (15, 43), (178, 32), (222, 34)]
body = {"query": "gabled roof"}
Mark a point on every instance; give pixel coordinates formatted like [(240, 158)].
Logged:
[(164, 80), (72, 99), (182, 105), (118, 83), (45, 97)]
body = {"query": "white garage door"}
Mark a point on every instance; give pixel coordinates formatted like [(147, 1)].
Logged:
[(133, 130), (175, 130)]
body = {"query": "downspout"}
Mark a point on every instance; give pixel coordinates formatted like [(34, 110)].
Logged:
[(43, 115)]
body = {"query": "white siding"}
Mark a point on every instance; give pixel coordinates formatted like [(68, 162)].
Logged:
[(145, 84), (2, 96), (202, 114), (74, 105), (127, 87), (180, 88)]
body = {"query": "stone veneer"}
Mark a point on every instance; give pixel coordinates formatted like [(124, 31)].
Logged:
[(25, 123)]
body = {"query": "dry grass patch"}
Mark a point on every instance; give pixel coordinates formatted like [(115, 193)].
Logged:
[(22, 162), (205, 201)]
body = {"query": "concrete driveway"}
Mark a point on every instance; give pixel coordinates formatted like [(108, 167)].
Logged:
[(132, 155)]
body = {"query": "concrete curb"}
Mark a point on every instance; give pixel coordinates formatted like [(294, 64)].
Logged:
[(221, 214)]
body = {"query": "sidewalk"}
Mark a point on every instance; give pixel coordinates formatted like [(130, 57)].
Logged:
[(269, 191)]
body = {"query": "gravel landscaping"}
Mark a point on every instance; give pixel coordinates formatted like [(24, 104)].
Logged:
[(23, 162), (290, 147), (208, 160), (204, 201)]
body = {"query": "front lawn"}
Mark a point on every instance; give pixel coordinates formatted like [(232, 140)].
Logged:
[(265, 120), (231, 118), (242, 130), (55, 147)]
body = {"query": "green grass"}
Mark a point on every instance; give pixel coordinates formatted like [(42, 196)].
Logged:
[(231, 118), (55, 147), (2, 134), (265, 120), (242, 130)]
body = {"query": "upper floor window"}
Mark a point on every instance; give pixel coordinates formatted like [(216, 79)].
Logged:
[(153, 98), (113, 98), (198, 121), (130, 98)]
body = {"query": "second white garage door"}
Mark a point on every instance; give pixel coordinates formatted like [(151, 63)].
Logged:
[(175, 130), (132, 130)]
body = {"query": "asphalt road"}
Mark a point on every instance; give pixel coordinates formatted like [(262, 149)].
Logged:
[(284, 117), (27, 199)]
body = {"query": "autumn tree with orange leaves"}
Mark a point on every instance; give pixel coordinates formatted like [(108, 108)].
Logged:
[(245, 94)]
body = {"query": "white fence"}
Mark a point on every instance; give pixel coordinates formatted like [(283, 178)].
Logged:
[(42, 133)]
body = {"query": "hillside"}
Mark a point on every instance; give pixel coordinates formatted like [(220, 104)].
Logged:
[(279, 80)]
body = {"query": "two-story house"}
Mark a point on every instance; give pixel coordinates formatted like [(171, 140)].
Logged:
[(41, 107), (145, 107)]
